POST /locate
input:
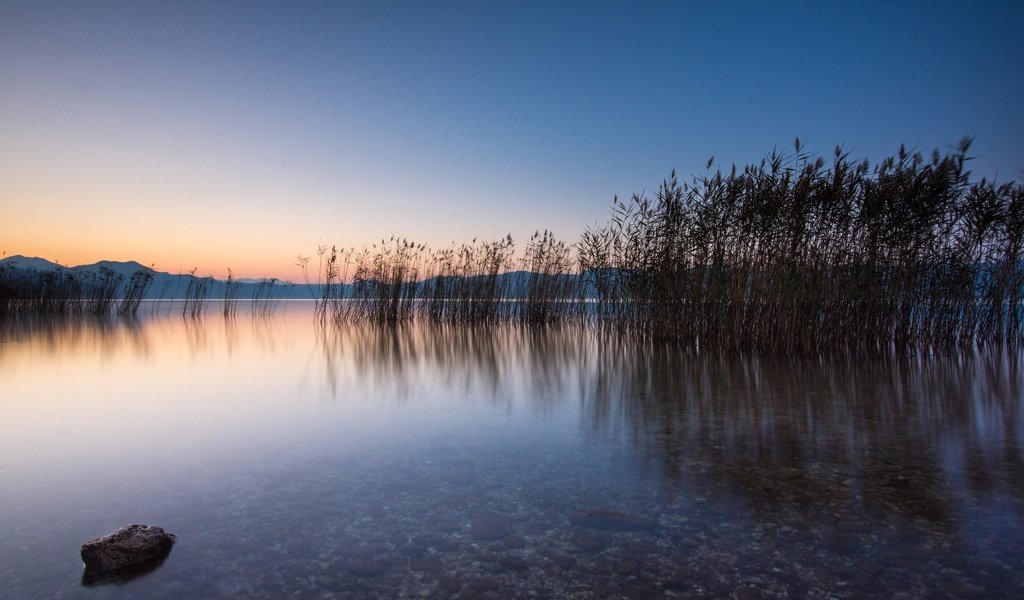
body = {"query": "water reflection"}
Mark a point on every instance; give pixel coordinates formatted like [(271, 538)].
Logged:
[(373, 449), (775, 413), (122, 576), (784, 417), (101, 334), (862, 459), (900, 459), (491, 358)]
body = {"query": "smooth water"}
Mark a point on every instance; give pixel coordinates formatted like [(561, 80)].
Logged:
[(426, 461)]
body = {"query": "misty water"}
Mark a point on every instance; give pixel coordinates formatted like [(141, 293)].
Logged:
[(436, 461)]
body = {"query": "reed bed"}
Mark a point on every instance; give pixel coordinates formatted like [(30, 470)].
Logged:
[(70, 292), (797, 253), (26, 291), (794, 254), (263, 301)]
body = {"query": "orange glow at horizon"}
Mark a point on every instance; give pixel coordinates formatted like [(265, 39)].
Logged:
[(73, 220), (162, 244)]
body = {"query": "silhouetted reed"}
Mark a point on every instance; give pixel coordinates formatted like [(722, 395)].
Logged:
[(466, 283), (194, 302), (100, 290), (551, 293), (794, 254), (138, 284), (265, 297), (70, 292), (230, 302)]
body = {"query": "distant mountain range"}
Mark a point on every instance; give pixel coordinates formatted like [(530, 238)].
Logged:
[(165, 286)]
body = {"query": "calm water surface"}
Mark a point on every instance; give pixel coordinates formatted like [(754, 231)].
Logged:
[(432, 462)]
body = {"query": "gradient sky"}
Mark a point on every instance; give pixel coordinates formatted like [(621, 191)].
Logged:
[(216, 134)]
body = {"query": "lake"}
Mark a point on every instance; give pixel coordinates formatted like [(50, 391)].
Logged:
[(427, 461)]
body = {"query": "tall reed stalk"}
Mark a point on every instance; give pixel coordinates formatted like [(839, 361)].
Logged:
[(231, 288), (138, 284), (194, 302), (265, 298)]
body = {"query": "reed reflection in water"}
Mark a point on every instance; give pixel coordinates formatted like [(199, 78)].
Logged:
[(454, 461)]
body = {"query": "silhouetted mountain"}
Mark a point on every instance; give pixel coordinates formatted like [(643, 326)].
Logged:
[(30, 262), (125, 269), (164, 286)]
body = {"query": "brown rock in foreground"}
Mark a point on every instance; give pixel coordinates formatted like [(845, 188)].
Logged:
[(129, 546)]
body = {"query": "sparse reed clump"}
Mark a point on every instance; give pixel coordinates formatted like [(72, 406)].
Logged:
[(265, 297), (194, 303), (399, 280)]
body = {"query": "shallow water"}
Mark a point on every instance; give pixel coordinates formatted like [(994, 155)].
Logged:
[(421, 461)]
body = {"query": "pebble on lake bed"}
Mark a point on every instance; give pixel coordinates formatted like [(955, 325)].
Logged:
[(128, 547)]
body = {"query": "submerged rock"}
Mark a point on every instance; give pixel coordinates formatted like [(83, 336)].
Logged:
[(130, 547), (610, 520), (430, 564), (491, 526), (587, 542), (368, 568)]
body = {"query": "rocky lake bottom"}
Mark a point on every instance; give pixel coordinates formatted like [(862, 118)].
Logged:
[(439, 462)]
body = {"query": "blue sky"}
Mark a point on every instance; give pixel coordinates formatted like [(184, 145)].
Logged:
[(240, 134)]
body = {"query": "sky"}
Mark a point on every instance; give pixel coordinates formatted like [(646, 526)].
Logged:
[(218, 135)]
